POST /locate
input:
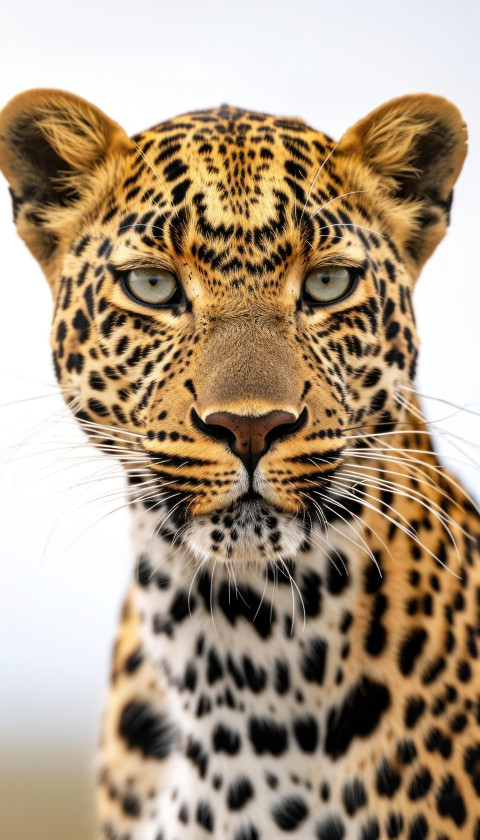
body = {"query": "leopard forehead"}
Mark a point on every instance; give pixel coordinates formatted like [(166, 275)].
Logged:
[(242, 198)]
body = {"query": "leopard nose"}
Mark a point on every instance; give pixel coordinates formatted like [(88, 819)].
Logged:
[(250, 437)]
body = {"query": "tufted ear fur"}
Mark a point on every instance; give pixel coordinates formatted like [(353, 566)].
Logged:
[(53, 147), (416, 145)]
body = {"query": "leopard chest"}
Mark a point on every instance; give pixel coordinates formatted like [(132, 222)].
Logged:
[(268, 708)]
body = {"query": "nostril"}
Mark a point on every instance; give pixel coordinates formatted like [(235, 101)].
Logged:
[(213, 430), (285, 429)]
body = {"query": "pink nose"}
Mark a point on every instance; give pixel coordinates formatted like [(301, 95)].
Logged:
[(250, 437)]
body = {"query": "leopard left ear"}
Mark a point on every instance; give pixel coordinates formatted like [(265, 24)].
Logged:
[(417, 145), (54, 151)]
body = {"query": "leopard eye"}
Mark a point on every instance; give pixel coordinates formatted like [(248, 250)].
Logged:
[(154, 286), (329, 284)]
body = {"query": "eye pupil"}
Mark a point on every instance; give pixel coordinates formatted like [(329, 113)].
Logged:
[(153, 281)]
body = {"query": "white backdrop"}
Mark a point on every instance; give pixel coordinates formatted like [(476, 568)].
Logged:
[(62, 575)]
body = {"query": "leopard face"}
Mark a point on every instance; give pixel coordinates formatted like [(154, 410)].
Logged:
[(233, 298)]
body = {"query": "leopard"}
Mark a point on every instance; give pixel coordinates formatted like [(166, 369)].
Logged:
[(298, 650)]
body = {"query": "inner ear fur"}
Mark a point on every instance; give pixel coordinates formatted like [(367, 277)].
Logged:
[(416, 145), (53, 146)]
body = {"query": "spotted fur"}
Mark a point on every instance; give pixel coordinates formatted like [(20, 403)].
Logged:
[(298, 650)]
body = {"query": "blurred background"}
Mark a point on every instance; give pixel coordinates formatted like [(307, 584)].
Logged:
[(64, 533)]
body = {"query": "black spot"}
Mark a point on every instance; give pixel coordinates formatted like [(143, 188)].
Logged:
[(471, 763), (410, 649), (180, 190), (204, 705), (289, 812), (358, 715), (183, 814), (305, 731), (437, 741), (239, 792), (330, 828), (372, 377), (225, 740), (75, 362), (324, 791), (418, 828), (133, 662), (249, 605), (205, 816), (82, 325), (375, 637), (162, 624), (190, 677), (267, 736), (162, 580), (433, 670), (450, 801), (458, 723), (97, 407), (414, 710), (182, 606), (144, 571), (406, 751), (247, 832), (464, 671), (354, 796), (420, 784), (337, 574), (394, 825), (374, 577), (146, 730), (371, 830), (311, 594), (313, 661), (387, 779), (214, 667), (131, 805), (255, 675), (281, 676), (235, 672), (198, 755)]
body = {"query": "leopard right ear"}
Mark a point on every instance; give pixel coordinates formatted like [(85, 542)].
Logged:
[(54, 152)]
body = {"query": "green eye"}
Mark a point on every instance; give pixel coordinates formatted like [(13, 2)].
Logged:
[(329, 284), (154, 286)]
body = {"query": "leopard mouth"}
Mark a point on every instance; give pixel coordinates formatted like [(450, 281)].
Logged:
[(250, 531), (254, 527)]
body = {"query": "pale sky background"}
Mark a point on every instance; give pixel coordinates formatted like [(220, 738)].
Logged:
[(62, 572)]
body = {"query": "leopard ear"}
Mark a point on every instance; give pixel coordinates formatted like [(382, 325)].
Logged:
[(53, 145), (416, 144)]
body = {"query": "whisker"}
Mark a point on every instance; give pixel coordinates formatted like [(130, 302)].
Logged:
[(316, 178)]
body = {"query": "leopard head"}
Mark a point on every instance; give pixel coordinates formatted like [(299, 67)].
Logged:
[(232, 297)]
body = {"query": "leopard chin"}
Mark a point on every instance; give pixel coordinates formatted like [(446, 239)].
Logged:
[(249, 533)]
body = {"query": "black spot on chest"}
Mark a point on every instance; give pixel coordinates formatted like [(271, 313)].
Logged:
[(239, 792), (146, 730), (313, 661), (249, 605), (358, 716), (267, 736), (289, 812)]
